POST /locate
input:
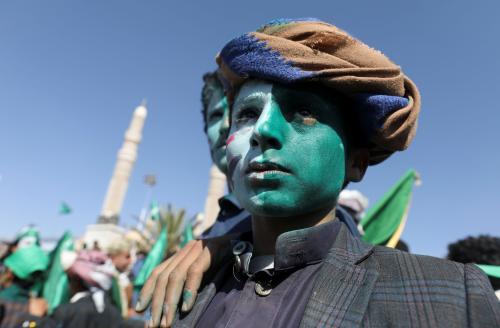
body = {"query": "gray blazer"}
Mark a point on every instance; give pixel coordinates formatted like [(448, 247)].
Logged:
[(360, 285)]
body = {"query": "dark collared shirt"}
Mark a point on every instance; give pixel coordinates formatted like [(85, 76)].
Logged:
[(231, 219), (298, 256)]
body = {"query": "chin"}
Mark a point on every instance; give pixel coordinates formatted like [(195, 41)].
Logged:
[(271, 204)]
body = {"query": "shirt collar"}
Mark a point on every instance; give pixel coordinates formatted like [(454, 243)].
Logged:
[(229, 205), (305, 246), (293, 249)]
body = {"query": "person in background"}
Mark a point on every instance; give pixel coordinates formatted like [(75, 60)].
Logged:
[(120, 254), (141, 245), (27, 236), (22, 269), (90, 274), (482, 250), (355, 203), (232, 218)]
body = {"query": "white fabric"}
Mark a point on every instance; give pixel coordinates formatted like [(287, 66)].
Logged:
[(97, 297), (78, 296)]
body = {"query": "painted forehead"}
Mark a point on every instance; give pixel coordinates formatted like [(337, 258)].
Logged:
[(217, 100), (253, 89), (259, 92)]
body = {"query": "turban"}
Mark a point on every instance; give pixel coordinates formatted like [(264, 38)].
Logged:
[(355, 201), (385, 101), (27, 260), (93, 267)]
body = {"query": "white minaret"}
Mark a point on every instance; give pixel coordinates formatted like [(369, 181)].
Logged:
[(216, 188), (127, 155)]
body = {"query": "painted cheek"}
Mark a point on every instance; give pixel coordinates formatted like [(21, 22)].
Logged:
[(238, 145), (230, 139), (213, 134)]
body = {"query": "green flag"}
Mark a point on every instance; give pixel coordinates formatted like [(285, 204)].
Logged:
[(56, 287), (385, 221), (155, 211), (154, 257), (490, 270), (116, 297), (64, 208), (187, 235)]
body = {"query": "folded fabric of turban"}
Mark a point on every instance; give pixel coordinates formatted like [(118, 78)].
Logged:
[(289, 51)]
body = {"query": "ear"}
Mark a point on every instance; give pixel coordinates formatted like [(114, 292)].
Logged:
[(356, 165)]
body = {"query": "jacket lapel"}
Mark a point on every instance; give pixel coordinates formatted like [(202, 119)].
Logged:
[(343, 284)]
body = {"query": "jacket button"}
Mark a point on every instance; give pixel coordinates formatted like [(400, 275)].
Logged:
[(262, 290)]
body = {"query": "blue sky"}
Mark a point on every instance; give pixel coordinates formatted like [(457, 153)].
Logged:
[(71, 74)]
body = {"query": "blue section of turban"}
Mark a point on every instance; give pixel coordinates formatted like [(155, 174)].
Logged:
[(248, 56), (374, 109)]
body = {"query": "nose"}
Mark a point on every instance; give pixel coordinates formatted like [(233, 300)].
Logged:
[(224, 126), (270, 128)]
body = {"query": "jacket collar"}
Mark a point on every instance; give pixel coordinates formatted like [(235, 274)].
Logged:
[(343, 285)]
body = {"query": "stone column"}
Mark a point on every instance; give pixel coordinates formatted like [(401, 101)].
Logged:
[(216, 189), (126, 158)]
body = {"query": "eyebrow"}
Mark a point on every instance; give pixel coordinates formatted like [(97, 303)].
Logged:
[(251, 97)]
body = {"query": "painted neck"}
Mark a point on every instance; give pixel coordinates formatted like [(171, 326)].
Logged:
[(266, 230)]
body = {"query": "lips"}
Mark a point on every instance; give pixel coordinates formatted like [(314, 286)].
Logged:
[(265, 167)]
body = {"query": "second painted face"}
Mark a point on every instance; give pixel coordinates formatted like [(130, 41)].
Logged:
[(286, 155), (217, 128)]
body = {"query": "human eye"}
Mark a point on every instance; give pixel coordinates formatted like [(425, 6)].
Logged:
[(305, 112), (247, 114), (214, 116), (306, 115)]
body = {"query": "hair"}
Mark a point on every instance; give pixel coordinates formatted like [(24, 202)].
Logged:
[(483, 249), (30, 281), (211, 83), (119, 246)]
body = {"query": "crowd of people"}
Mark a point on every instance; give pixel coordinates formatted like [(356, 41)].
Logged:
[(94, 284), (295, 111)]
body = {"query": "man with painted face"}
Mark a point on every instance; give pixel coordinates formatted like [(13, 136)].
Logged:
[(232, 218), (311, 108)]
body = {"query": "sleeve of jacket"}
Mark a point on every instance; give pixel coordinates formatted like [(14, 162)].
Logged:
[(483, 307)]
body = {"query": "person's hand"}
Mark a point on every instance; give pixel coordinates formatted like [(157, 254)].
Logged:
[(180, 275), (38, 306)]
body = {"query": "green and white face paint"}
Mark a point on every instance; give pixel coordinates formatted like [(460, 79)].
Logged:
[(285, 152), (217, 127)]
